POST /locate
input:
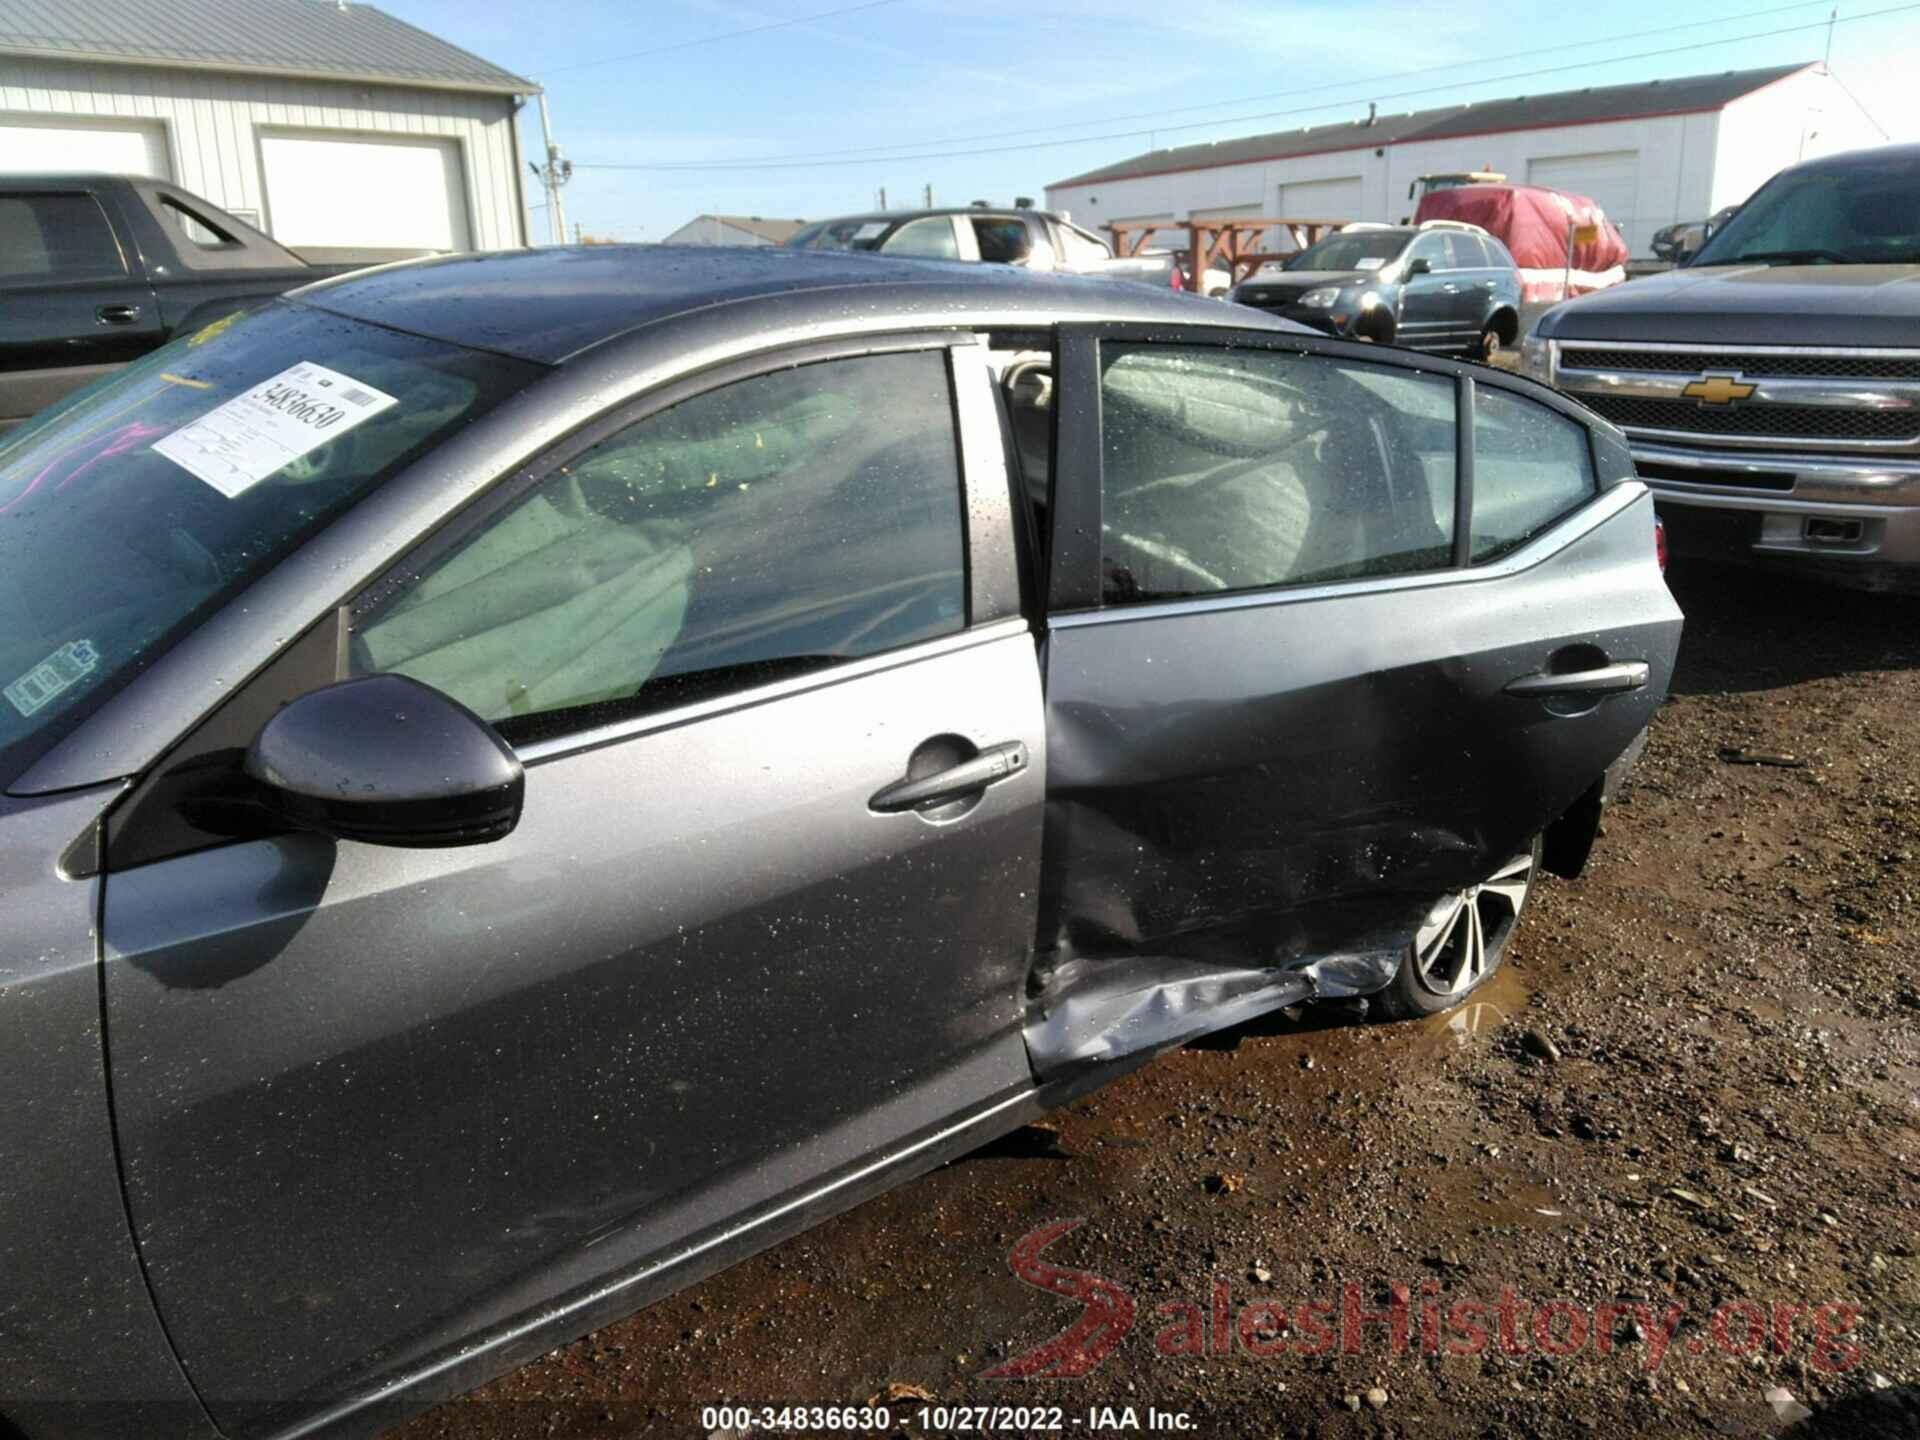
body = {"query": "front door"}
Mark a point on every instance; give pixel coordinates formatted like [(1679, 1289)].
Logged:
[(371, 1100), (71, 308), (1428, 302), (1278, 705)]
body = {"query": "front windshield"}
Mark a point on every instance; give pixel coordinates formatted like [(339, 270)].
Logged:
[(1856, 214), (138, 505), (1360, 250)]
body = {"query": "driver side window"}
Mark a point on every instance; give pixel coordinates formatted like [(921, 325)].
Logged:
[(780, 524), (1228, 470)]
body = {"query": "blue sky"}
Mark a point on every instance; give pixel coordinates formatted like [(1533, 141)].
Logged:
[(911, 75)]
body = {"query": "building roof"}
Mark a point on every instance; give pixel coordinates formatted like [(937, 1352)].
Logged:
[(1687, 94), (308, 39), (551, 304)]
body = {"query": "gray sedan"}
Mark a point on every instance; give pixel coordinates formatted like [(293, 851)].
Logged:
[(529, 777)]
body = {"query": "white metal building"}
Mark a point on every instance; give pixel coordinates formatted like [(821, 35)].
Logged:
[(1649, 154), (733, 230), (331, 125)]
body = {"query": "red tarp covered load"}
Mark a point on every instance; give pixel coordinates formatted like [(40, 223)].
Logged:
[(1533, 222)]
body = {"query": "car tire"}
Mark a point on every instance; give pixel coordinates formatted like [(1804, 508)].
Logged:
[(1462, 941), (1375, 329)]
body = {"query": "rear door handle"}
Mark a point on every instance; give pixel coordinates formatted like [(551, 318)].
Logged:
[(1606, 680), (995, 763), (117, 314)]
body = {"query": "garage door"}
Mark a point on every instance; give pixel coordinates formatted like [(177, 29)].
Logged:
[(1611, 179), (46, 142), (334, 192), (1320, 199)]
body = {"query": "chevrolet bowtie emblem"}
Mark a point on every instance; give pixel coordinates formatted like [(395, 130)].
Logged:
[(1712, 389)]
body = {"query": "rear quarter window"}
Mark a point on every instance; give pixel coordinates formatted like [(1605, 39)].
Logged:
[(1531, 467)]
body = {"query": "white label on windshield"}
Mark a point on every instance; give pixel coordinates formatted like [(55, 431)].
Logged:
[(69, 664), (254, 435), (1371, 262), (871, 229)]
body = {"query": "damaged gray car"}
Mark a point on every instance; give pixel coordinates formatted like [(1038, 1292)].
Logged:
[(530, 777)]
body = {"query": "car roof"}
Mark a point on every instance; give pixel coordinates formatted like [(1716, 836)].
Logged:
[(551, 304), (894, 217)]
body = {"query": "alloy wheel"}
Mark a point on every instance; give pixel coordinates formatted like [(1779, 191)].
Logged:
[(1463, 935)]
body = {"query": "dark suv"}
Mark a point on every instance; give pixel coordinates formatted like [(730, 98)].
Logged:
[(1441, 286)]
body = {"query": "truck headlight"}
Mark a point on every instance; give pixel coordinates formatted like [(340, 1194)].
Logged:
[(1536, 359), (1321, 299)]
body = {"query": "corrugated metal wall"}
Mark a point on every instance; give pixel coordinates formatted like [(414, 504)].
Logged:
[(213, 122)]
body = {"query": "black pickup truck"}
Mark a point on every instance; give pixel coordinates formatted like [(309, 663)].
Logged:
[(1771, 387), (96, 270)]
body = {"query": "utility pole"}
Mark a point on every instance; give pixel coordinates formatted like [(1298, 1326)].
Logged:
[(929, 195), (1826, 62), (883, 197), (555, 173)]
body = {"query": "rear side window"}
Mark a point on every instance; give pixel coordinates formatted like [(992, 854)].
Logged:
[(1227, 470), (56, 237), (929, 239), (776, 526), (1531, 466), (1464, 251)]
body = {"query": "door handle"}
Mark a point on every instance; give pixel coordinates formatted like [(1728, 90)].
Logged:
[(1606, 680), (117, 314), (995, 763)]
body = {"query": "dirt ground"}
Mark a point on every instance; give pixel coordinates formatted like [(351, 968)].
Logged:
[(1694, 1088)]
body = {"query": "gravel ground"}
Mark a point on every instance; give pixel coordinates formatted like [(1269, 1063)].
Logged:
[(1695, 1088)]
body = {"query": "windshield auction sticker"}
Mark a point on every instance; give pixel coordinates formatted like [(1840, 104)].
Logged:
[(256, 434), (66, 667)]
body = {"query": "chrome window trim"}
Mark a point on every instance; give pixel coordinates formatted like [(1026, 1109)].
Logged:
[(1612, 500), (598, 737)]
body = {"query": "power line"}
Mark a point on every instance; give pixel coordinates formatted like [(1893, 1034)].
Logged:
[(894, 150), (723, 35), (905, 158)]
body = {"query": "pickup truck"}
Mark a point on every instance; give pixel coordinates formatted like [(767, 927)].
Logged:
[(96, 270), (1770, 388)]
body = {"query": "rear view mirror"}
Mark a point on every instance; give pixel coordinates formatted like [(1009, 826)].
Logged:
[(1419, 267), (388, 761)]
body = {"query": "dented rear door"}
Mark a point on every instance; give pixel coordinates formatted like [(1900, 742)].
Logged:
[(1288, 664)]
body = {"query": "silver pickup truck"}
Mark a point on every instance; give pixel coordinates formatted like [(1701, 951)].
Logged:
[(1771, 387)]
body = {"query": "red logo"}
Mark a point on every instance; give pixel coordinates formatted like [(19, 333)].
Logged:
[(1079, 1348)]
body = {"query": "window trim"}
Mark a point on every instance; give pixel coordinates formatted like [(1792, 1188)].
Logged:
[(511, 487), (1074, 588)]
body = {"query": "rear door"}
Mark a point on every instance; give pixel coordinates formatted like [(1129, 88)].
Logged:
[(1332, 631), (767, 913), (73, 304)]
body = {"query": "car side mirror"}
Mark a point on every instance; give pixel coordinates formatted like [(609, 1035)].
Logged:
[(389, 761), (1420, 266)]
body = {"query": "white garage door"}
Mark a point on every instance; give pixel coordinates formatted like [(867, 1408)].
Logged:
[(1320, 199), (365, 193), (1611, 179), (47, 142)]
